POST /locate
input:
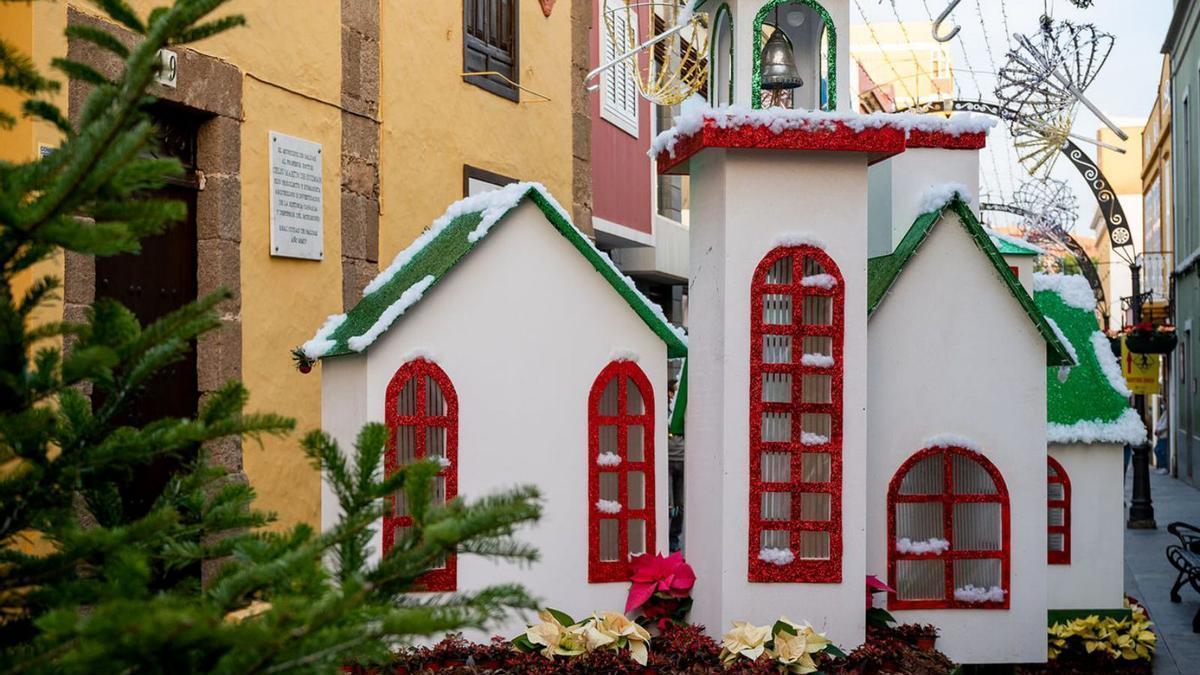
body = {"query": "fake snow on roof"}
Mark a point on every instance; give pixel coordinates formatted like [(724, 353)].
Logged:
[(937, 197), (778, 120), (1090, 404), (999, 238), (447, 240), (1063, 339), (798, 239), (1072, 288)]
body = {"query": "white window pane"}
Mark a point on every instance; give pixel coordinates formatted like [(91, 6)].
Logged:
[(777, 309), (814, 545), (815, 467), (435, 400), (781, 271), (780, 539), (814, 506), (983, 574), (777, 349), (609, 487), (818, 310), (970, 478), (926, 477), (920, 521), (776, 467), (977, 527), (609, 543), (777, 427), (636, 442), (920, 580), (637, 490), (608, 399), (816, 388), (776, 506), (633, 398), (608, 438), (637, 537), (777, 387)]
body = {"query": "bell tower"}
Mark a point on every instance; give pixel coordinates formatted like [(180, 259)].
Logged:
[(787, 53)]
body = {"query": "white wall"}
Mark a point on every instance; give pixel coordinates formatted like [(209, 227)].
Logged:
[(743, 200), (1095, 579), (1024, 265), (522, 327), (952, 352), (918, 170)]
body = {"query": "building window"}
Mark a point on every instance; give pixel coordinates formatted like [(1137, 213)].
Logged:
[(1058, 513), (618, 84), (796, 301), (948, 521), (477, 181), (491, 44), (422, 416), (720, 61), (620, 471)]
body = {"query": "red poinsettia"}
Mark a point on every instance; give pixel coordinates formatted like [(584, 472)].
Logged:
[(669, 575), (874, 585)]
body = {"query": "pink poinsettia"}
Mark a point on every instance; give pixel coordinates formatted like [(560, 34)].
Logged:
[(657, 574), (874, 585)]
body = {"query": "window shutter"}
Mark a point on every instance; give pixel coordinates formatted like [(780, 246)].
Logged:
[(491, 43), (619, 102)]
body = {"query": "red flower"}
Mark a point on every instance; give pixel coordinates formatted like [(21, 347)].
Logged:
[(656, 574), (874, 585)]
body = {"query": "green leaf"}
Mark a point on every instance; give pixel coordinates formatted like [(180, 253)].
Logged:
[(99, 37), (560, 616), (835, 651)]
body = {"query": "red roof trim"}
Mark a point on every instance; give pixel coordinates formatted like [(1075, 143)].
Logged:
[(879, 143)]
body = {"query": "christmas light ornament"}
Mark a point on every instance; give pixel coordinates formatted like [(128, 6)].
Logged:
[(1051, 207), (678, 66)]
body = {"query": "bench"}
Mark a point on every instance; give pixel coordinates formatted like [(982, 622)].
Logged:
[(1185, 557)]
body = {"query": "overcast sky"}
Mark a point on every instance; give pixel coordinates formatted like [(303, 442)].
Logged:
[(1125, 88)]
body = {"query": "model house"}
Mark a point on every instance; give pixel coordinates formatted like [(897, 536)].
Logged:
[(503, 344), (1090, 422)]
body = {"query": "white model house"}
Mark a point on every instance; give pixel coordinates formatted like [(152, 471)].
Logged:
[(1090, 422), (505, 345)]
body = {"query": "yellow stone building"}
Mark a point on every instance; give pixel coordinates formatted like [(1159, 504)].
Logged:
[(400, 132), (903, 62)]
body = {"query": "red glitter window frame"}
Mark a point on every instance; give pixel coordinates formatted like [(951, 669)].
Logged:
[(810, 570), (446, 577), (1059, 477), (602, 571), (948, 499)]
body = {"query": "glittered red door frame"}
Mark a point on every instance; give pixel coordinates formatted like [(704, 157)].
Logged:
[(1062, 557), (445, 578), (600, 571), (827, 570), (948, 499)]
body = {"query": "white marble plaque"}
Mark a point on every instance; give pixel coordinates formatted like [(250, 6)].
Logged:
[(297, 215)]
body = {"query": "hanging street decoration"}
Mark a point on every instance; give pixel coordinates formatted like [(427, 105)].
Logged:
[(1046, 74), (678, 66), (1050, 205)]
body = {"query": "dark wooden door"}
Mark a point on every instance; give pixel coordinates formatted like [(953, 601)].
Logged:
[(153, 283)]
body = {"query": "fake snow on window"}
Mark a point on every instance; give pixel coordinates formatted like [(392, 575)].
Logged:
[(998, 237), (608, 506), (623, 355), (976, 595), (817, 360), (826, 281), (608, 459), (1108, 363), (1072, 288), (407, 299), (444, 461), (778, 120), (1128, 428), (1063, 339), (776, 556), (809, 438), (797, 239), (952, 441), (938, 196), (931, 545), (320, 344), (419, 355)]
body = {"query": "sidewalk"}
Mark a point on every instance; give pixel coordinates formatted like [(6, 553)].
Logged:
[(1148, 575)]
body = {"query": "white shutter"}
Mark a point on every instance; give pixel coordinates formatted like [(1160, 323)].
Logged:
[(619, 91)]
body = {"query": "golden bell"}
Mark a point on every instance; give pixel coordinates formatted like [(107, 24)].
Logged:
[(779, 64)]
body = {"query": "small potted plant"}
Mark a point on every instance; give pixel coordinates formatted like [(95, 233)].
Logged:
[(1146, 338)]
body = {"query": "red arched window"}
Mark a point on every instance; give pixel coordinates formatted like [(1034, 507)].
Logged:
[(1058, 513), (620, 471), (422, 414), (949, 532), (796, 326)]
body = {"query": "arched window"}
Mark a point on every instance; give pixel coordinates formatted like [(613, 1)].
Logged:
[(811, 31), (1058, 513), (620, 471), (721, 65), (422, 415), (949, 532), (796, 326)]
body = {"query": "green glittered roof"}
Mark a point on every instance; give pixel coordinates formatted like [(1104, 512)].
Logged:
[(464, 226), (882, 271), (1013, 246), (1091, 404)]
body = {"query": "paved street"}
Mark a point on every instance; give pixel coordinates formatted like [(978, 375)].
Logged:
[(1148, 576)]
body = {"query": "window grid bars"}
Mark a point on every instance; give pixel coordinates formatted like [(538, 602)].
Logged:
[(1056, 475), (444, 578), (947, 498), (812, 570)]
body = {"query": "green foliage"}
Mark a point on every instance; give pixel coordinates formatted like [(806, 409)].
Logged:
[(89, 584)]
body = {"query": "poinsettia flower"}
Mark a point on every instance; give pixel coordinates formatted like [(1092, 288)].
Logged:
[(654, 573), (616, 628), (795, 652), (874, 585), (745, 640), (555, 638)]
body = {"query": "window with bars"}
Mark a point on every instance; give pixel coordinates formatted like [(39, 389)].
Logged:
[(618, 85), (796, 418), (422, 416), (948, 521), (1058, 513), (620, 471), (491, 44)]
